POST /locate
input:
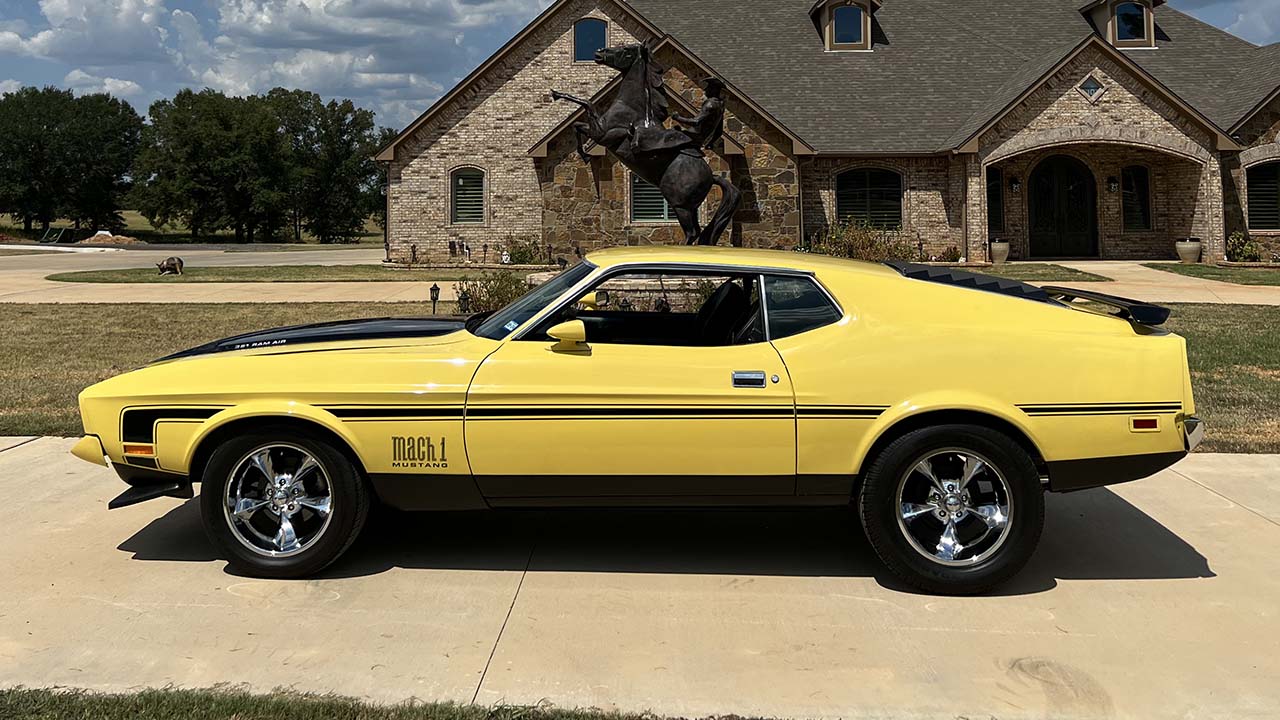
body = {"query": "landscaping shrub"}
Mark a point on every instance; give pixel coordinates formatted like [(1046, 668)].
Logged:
[(493, 290), (858, 241), (1241, 248), (526, 252), (950, 255)]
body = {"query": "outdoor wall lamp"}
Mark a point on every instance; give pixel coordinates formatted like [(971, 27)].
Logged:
[(1015, 185), (1113, 185), (435, 297)]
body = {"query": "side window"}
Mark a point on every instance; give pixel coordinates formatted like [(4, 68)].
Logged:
[(796, 305), (676, 309)]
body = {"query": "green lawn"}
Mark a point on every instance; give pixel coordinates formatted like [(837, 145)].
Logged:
[(1041, 273), (1236, 275), (24, 704), (1234, 352), (266, 273)]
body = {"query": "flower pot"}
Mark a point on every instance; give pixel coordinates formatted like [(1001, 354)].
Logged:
[(1188, 250), (999, 252)]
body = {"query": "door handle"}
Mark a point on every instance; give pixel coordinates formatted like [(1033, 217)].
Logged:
[(748, 378)]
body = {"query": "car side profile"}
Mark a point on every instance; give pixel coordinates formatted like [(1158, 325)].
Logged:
[(941, 404)]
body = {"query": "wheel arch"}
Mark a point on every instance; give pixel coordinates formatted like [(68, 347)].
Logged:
[(917, 419), (242, 420)]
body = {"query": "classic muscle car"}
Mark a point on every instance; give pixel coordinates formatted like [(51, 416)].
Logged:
[(940, 404)]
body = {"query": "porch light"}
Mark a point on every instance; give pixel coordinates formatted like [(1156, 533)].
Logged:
[(435, 297), (1015, 185), (1113, 185)]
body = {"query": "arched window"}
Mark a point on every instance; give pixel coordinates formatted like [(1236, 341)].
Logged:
[(589, 35), (1135, 198), (466, 196), (1264, 196), (871, 197), (1132, 24), (848, 26)]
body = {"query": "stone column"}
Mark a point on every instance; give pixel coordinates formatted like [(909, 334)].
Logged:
[(975, 216)]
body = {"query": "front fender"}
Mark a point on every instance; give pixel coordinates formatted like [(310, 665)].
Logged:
[(940, 401), (266, 409)]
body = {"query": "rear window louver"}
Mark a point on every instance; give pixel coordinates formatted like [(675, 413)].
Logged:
[(987, 283)]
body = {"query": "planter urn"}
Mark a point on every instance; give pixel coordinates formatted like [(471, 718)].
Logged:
[(999, 252), (1188, 250)]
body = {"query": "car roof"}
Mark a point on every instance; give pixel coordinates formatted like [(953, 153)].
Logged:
[(728, 256)]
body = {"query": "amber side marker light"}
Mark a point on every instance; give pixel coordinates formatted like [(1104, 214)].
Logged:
[(139, 450)]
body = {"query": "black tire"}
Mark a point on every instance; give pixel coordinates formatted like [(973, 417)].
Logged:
[(348, 492), (886, 528)]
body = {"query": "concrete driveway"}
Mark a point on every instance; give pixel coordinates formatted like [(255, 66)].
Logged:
[(1155, 599)]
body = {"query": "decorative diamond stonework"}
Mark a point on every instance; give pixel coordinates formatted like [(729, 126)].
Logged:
[(1092, 88)]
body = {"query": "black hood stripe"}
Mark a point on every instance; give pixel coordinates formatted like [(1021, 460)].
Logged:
[(338, 331)]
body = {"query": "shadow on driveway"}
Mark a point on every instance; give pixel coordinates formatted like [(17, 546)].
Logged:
[(1091, 535)]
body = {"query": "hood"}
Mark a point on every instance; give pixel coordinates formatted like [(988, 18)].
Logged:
[(341, 330)]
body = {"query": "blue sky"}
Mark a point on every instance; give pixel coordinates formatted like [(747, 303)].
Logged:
[(393, 56)]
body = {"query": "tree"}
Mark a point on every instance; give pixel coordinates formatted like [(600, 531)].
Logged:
[(378, 196), (104, 134), (343, 172), (296, 112), (35, 154)]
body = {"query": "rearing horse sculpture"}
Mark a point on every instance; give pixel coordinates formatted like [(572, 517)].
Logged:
[(632, 129)]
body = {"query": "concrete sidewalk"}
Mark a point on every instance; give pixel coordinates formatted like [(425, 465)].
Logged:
[(1156, 599), (1131, 279)]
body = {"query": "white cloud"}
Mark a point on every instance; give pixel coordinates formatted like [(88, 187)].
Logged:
[(8, 86), (93, 32), (1257, 21), (83, 84)]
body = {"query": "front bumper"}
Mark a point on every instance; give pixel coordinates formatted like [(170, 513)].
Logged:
[(1069, 475)]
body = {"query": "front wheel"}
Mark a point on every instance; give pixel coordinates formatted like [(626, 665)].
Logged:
[(953, 509), (282, 504)]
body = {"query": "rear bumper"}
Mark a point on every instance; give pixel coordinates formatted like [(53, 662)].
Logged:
[(1069, 475)]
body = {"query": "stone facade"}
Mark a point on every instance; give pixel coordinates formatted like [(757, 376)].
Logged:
[(571, 205), (1261, 136)]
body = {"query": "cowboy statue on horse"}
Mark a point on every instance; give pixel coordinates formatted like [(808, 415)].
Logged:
[(633, 129)]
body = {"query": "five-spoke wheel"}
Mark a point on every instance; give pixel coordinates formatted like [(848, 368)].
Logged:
[(282, 503), (952, 509)]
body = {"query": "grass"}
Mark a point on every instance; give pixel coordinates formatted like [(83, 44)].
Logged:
[(45, 360), (224, 704), (1041, 272), (265, 273), (1234, 352), (4, 251), (135, 225), (1235, 275)]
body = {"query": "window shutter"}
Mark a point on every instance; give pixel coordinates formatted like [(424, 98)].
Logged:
[(1135, 198), (647, 203), (995, 202), (1264, 197), (871, 197), (467, 187)]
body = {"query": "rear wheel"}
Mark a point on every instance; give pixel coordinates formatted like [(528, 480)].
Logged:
[(282, 504), (953, 509)]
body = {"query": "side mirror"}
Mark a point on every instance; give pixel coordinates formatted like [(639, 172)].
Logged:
[(594, 300), (571, 335)]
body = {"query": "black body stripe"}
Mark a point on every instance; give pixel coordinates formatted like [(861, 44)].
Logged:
[(138, 424), (842, 412), (1117, 409), (511, 413)]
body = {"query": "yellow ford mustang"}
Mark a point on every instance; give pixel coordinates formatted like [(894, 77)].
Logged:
[(942, 404)]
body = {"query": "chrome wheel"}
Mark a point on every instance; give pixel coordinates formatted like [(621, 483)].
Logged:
[(954, 507), (278, 500)]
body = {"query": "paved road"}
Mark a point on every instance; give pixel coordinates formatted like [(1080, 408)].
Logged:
[(1157, 599)]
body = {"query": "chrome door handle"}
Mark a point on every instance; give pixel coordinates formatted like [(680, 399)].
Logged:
[(748, 378)]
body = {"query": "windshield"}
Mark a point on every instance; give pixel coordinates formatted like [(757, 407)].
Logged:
[(502, 322)]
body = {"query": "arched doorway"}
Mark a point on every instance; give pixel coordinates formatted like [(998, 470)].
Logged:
[(1062, 209)]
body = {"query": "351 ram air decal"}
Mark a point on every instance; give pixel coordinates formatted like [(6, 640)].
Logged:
[(418, 451)]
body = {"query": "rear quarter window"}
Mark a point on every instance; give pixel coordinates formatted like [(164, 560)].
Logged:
[(797, 305)]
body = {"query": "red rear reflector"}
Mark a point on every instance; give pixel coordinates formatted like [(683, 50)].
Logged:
[(1146, 424), (139, 450)]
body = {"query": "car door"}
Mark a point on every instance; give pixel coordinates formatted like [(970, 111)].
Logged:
[(647, 408)]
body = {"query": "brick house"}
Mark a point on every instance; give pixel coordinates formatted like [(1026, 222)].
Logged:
[(1102, 131)]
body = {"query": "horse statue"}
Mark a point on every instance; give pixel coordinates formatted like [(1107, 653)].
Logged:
[(632, 129)]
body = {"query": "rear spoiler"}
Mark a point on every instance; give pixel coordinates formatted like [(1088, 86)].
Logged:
[(1135, 310)]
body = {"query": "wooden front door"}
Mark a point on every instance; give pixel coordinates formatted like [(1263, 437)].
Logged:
[(1062, 208)]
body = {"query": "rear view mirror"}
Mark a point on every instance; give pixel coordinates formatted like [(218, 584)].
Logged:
[(594, 300), (571, 335)]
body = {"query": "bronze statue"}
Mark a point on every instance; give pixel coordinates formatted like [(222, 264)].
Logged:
[(633, 129)]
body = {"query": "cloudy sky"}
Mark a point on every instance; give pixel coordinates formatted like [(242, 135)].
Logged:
[(394, 56)]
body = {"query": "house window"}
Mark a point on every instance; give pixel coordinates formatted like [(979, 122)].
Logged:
[(995, 201), (1133, 25), (1135, 198), (589, 35), (870, 197), (848, 27), (1264, 196), (647, 203), (1092, 88), (466, 196)]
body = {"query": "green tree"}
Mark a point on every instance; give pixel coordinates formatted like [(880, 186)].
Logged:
[(35, 154), (378, 195), (104, 134), (296, 112), (343, 173)]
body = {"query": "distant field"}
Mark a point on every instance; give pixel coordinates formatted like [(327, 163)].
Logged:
[(138, 226), (12, 251), (266, 273)]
